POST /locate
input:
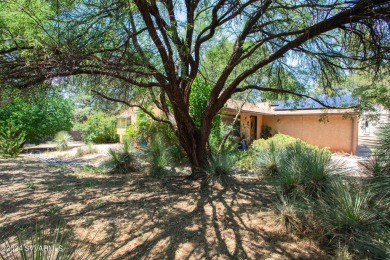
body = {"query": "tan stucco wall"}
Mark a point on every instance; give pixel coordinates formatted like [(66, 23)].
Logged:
[(340, 135), (121, 132)]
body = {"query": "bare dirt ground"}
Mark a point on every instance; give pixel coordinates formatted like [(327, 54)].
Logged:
[(144, 217)]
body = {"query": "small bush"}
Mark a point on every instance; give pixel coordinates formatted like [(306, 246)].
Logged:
[(307, 169), (264, 154), (290, 213), (99, 129), (48, 242), (62, 140), (159, 155), (11, 140), (266, 160), (383, 146), (85, 151), (220, 169), (122, 161), (352, 217), (246, 160), (145, 129), (280, 141)]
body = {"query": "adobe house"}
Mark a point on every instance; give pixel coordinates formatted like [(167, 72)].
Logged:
[(125, 119), (336, 129)]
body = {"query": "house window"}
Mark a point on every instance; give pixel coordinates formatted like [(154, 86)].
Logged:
[(121, 123), (367, 127)]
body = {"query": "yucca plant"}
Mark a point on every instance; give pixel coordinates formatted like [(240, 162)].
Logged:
[(383, 146), (62, 139), (47, 242), (266, 160), (290, 213), (122, 161), (159, 156), (307, 169), (220, 169), (11, 140), (351, 217), (378, 169)]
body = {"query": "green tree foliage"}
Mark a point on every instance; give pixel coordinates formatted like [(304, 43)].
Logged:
[(276, 76), (11, 140), (39, 114), (145, 128), (99, 128), (371, 91), (199, 97)]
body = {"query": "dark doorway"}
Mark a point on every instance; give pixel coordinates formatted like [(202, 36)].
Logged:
[(253, 130)]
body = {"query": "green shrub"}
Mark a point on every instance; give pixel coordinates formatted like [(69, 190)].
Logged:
[(292, 212), (279, 141), (221, 168), (263, 153), (383, 146), (62, 140), (306, 169), (266, 160), (378, 167), (12, 139), (246, 160), (351, 216), (40, 113), (145, 128), (122, 161), (159, 155), (99, 129)]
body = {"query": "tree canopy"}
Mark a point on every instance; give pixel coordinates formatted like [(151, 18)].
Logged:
[(39, 115), (161, 46)]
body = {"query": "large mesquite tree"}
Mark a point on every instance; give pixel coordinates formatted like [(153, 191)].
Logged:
[(161, 46)]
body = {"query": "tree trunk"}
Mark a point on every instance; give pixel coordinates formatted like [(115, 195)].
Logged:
[(195, 144)]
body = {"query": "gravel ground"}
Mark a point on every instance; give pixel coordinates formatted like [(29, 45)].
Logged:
[(48, 153), (351, 163)]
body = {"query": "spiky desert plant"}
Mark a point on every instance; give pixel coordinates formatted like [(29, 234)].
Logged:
[(221, 168), (351, 217), (48, 242), (159, 155), (266, 160), (122, 161), (308, 169), (11, 140), (62, 139), (383, 146)]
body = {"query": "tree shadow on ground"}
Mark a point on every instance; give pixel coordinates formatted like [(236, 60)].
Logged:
[(140, 216)]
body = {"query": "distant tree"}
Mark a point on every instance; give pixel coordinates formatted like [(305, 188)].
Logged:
[(160, 46), (99, 128), (39, 114), (372, 91)]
